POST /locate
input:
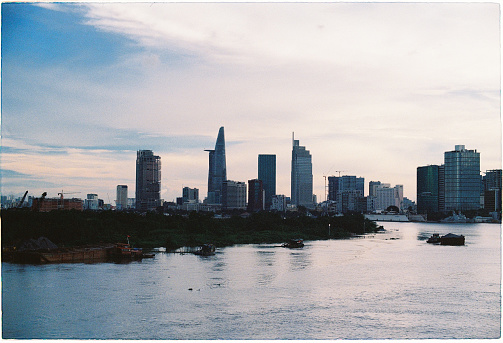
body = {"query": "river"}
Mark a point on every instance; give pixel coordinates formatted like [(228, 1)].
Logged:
[(392, 285)]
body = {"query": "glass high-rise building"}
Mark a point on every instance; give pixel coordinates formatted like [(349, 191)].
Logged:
[(346, 190), (302, 176), (267, 173), (339, 184), (255, 195), (462, 179), (428, 189), (217, 172), (148, 180)]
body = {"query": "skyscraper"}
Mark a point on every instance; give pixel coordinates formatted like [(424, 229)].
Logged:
[(428, 189), (302, 176), (217, 172), (462, 179), (148, 180), (121, 202), (267, 173)]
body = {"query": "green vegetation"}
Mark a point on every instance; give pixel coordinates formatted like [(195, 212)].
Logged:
[(71, 228)]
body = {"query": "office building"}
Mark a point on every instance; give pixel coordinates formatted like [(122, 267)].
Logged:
[(427, 189), (121, 199), (278, 203), (92, 202), (267, 173), (256, 195), (372, 186), (462, 179), (233, 195), (217, 171), (148, 181), (441, 188), (190, 195), (492, 190), (346, 191), (302, 176)]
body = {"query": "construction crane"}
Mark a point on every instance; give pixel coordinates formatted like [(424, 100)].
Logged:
[(340, 171), (62, 205), (22, 200)]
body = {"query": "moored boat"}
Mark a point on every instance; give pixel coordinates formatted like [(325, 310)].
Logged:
[(452, 239), (435, 239), (205, 250), (294, 243), (124, 251)]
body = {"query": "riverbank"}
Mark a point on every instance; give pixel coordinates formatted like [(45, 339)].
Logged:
[(74, 228)]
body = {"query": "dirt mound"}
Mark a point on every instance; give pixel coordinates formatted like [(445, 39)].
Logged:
[(37, 244)]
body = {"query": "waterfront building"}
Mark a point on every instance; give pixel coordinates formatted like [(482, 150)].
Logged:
[(190, 195), (462, 179), (121, 199), (492, 190), (427, 189), (279, 202), (409, 205), (148, 180), (372, 186), (492, 179), (256, 195), (302, 176), (233, 195), (441, 188), (346, 191), (267, 173), (92, 202), (385, 196), (217, 171)]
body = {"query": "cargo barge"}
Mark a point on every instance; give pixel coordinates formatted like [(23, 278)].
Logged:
[(43, 251), (74, 255)]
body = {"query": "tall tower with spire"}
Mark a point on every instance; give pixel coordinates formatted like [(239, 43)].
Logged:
[(302, 175), (217, 172)]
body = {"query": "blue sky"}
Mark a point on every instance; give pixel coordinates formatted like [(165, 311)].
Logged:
[(374, 89)]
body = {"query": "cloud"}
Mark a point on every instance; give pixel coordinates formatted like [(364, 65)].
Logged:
[(366, 87)]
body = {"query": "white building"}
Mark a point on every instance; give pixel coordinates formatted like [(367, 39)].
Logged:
[(91, 203), (384, 197), (121, 199), (233, 195)]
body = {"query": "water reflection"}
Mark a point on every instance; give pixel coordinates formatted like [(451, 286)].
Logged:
[(373, 288)]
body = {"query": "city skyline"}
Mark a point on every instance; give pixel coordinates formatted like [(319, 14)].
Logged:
[(85, 86)]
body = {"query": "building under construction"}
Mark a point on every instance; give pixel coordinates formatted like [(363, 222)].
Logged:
[(52, 204)]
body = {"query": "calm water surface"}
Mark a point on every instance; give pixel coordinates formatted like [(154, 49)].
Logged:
[(392, 285)]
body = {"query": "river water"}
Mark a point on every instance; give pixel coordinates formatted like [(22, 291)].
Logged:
[(391, 285)]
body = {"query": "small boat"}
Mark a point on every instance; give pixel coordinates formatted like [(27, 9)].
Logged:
[(205, 250), (435, 239), (452, 239), (124, 251), (294, 243)]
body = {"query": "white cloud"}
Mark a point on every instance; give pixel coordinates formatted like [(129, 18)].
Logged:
[(373, 88)]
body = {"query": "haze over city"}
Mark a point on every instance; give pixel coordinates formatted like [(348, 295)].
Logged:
[(371, 89)]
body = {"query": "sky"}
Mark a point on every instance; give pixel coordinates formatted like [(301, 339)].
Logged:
[(370, 89)]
